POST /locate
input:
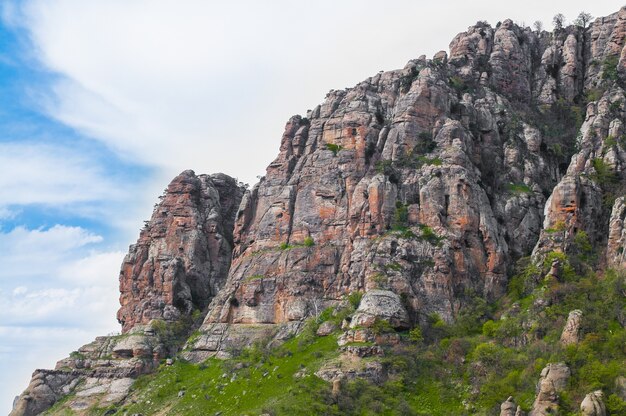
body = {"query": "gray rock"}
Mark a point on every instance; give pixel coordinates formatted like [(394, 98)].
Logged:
[(571, 331), (381, 304), (326, 328), (593, 404)]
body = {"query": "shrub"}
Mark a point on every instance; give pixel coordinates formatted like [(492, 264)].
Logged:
[(309, 242), (416, 335), (335, 148), (603, 174), (381, 326), (355, 299), (520, 188), (400, 217), (609, 68)]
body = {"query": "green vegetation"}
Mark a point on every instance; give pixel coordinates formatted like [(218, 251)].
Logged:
[(308, 242), (519, 188), (335, 148), (459, 85), (258, 380), (407, 80), (558, 227), (355, 299), (594, 94), (609, 68), (400, 217), (254, 277), (603, 175)]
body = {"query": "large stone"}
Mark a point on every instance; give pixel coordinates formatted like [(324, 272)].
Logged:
[(553, 379), (510, 408), (571, 331), (381, 305), (593, 404)]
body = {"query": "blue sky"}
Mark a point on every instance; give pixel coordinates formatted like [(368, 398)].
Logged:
[(103, 102)]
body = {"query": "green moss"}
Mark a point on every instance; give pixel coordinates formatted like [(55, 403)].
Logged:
[(254, 277), (519, 188), (355, 299), (335, 148)]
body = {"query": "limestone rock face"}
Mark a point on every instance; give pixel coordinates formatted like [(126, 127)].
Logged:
[(418, 188), (182, 256), (100, 372), (510, 408), (381, 304), (414, 182), (617, 234), (554, 378), (593, 404), (571, 331)]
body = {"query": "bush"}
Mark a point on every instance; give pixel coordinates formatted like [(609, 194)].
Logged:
[(609, 68), (603, 174), (520, 188), (400, 217), (335, 148), (355, 299), (309, 242), (416, 335)]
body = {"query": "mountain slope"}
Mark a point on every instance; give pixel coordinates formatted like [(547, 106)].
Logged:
[(448, 216)]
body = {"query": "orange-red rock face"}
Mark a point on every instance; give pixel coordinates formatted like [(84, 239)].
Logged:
[(441, 153), (182, 256)]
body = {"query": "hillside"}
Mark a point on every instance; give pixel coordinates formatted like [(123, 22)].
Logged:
[(443, 239)]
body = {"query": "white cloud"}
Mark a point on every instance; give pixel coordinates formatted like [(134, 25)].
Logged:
[(95, 269), (7, 214), (26, 253), (43, 174), (55, 297), (208, 85)]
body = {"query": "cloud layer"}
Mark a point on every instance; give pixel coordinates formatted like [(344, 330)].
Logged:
[(208, 85), (57, 293)]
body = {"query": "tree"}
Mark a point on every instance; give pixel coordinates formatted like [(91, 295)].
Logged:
[(558, 20), (538, 25), (583, 19)]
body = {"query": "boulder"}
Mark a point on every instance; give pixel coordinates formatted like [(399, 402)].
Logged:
[(593, 404), (571, 331), (381, 305)]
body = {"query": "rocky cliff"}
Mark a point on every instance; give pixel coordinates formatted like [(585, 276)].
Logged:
[(418, 188), (178, 264)]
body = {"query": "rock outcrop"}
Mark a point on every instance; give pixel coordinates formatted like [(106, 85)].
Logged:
[(99, 373), (510, 408), (593, 404), (418, 189), (553, 379), (178, 264), (571, 331), (182, 256), (380, 305)]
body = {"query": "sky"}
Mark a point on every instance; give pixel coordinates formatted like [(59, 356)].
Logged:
[(103, 102)]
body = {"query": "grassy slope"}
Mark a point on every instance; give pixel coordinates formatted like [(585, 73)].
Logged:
[(469, 368)]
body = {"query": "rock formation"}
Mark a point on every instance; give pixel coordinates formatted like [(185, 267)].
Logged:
[(418, 188), (554, 378), (182, 256), (510, 408), (179, 262), (593, 404), (571, 331)]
